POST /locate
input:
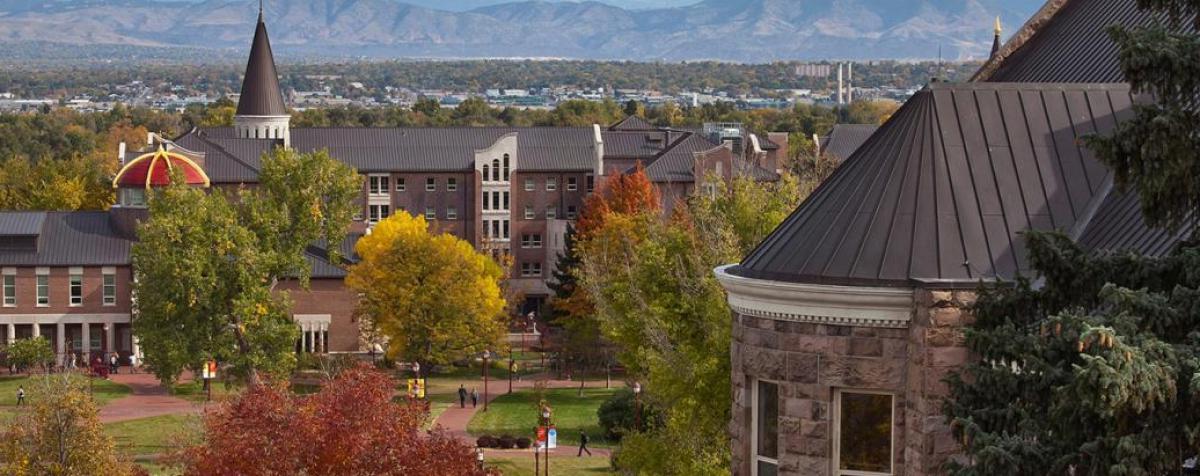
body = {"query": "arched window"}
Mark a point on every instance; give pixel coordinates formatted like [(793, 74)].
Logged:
[(506, 167), (485, 172), (495, 170)]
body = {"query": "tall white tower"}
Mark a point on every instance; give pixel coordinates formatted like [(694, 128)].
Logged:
[(261, 113)]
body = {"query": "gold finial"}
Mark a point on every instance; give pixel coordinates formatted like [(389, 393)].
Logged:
[(998, 29)]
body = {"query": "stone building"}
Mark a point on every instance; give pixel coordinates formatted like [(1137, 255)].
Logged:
[(849, 316)]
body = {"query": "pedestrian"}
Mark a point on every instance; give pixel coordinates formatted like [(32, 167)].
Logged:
[(462, 397), (583, 441), (474, 398), (114, 363), (133, 363), (20, 395)]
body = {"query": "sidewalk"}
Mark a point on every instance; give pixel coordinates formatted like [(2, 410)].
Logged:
[(148, 399)]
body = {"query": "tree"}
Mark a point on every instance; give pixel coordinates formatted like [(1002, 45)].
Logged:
[(622, 193), (30, 353), (1094, 369), (351, 426), (432, 296), (61, 436), (871, 112), (207, 264)]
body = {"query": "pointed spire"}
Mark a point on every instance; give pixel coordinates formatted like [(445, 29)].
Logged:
[(260, 13), (261, 95), (996, 40)]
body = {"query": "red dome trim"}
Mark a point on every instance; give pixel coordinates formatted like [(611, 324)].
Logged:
[(154, 170)]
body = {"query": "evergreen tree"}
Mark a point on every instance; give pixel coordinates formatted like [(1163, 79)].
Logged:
[(1094, 368)]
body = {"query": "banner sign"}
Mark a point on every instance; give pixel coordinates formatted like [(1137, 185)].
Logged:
[(552, 438), (209, 371), (416, 387)]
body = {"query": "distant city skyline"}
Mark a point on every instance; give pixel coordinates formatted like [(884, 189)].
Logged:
[(464, 5)]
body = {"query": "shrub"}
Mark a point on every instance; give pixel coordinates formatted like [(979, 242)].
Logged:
[(487, 441), (507, 442), (524, 443), (618, 415)]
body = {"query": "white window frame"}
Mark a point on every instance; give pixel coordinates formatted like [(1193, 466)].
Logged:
[(551, 184), (529, 185), (551, 213), (378, 212), (836, 408), (529, 213), (754, 457), (8, 287), (591, 182), (572, 184), (378, 185), (400, 186), (430, 213), (75, 283), (42, 274), (108, 291), (451, 184), (451, 213), (430, 184), (572, 212)]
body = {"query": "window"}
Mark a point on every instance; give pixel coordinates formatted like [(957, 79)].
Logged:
[(572, 184), (765, 424), (863, 433), (529, 212), (430, 184), (496, 201), (551, 184), (495, 170), (529, 186), (504, 228), (487, 201), (430, 213), (506, 160), (133, 197), (10, 290), (551, 213), (591, 183), (495, 229), (487, 228), (110, 289), (531, 270), (376, 213), (43, 290), (451, 213), (486, 172), (504, 195), (400, 184), (571, 213), (377, 185), (531, 241), (452, 184), (76, 289)]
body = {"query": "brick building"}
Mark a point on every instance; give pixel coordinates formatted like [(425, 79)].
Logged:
[(850, 315), (512, 191)]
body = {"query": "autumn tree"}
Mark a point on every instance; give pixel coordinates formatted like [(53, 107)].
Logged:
[(61, 436), (870, 112), (207, 264), (431, 295), (26, 354), (351, 426), (620, 193)]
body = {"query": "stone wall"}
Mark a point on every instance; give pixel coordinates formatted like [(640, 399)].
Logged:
[(810, 361)]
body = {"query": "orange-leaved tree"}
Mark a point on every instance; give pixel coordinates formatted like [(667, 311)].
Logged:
[(623, 193), (351, 426)]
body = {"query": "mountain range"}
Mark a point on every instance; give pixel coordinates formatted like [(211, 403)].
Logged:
[(727, 30)]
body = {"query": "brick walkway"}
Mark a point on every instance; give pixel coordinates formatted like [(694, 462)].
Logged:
[(148, 399), (455, 419)]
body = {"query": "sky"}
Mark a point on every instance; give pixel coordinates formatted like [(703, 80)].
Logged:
[(463, 5)]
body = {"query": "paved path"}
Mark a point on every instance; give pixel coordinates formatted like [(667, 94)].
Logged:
[(148, 399), (455, 419)]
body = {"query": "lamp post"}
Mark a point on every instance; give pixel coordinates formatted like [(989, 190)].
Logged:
[(637, 406), (546, 423), (511, 367), (486, 355)]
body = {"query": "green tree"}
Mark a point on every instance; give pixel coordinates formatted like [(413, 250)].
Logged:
[(207, 264), (431, 296), (30, 353)]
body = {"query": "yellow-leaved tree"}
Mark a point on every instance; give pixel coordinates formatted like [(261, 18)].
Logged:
[(430, 296)]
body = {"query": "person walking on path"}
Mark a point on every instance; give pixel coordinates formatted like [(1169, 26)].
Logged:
[(133, 363), (20, 395), (114, 364), (474, 398), (583, 441), (462, 397)]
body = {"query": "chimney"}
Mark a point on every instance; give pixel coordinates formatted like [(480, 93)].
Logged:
[(598, 141), (816, 145), (121, 154), (850, 82), (840, 99)]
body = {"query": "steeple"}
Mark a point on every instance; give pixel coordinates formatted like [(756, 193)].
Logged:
[(996, 39), (261, 113)]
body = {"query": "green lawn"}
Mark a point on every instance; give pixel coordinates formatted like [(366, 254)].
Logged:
[(154, 435), (516, 415), (521, 464), (103, 390)]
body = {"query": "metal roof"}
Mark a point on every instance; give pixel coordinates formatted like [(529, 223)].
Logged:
[(632, 123), (677, 163), (260, 88), (71, 239), (941, 192), (1072, 44), (1119, 226), (844, 139), (633, 145), (21, 223)]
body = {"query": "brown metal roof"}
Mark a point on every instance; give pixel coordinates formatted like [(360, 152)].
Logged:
[(632, 123), (941, 192), (844, 139), (69, 239), (260, 89), (633, 145)]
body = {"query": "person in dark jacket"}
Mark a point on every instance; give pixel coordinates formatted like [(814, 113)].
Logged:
[(462, 397), (583, 441)]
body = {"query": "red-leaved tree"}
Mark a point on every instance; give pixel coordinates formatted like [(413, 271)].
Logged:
[(622, 193), (351, 426)]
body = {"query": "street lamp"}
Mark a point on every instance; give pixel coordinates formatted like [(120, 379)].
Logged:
[(546, 423), (637, 406), (511, 367), (486, 355)]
